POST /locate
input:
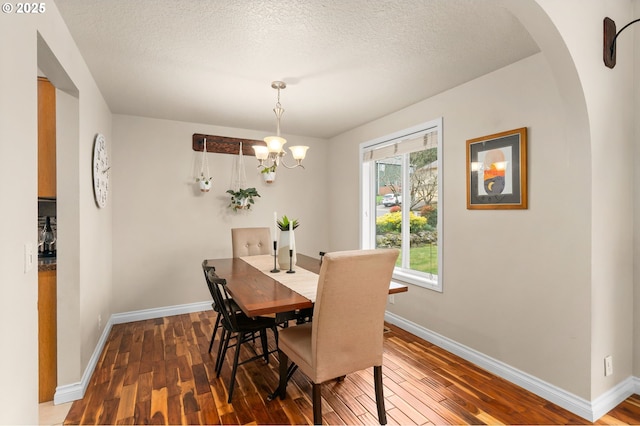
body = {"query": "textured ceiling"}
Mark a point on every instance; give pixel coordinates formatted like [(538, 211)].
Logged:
[(345, 62)]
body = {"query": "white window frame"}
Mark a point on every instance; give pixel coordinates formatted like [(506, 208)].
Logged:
[(368, 203)]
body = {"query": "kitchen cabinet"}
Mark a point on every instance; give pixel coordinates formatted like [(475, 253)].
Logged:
[(46, 138), (47, 333), (47, 285)]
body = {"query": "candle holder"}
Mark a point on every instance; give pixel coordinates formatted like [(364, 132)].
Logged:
[(275, 257), (291, 271)]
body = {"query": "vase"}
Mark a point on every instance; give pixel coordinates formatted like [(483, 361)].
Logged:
[(241, 203), (269, 177), (205, 186), (283, 249)]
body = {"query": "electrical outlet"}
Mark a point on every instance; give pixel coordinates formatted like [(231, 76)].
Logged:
[(608, 365), (392, 299), (99, 322)]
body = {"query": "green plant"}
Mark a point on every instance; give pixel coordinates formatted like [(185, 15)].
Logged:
[(392, 222), (238, 197), (204, 179), (283, 223), (271, 169)]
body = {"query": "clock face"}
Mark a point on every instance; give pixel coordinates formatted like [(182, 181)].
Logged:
[(100, 171)]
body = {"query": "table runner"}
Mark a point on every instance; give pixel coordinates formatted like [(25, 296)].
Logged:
[(303, 282)]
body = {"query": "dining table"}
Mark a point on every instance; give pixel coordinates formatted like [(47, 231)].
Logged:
[(259, 291), (259, 287)]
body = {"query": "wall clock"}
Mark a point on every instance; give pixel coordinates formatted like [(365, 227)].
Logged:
[(100, 171)]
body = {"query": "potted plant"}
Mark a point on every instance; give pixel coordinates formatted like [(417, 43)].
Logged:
[(269, 174), (242, 198), (205, 182), (287, 242), (283, 223)]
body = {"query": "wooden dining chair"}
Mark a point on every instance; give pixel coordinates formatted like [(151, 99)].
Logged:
[(346, 332), (251, 241), (244, 242), (236, 326), (217, 309)]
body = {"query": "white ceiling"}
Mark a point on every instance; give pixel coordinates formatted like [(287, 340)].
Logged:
[(345, 62)]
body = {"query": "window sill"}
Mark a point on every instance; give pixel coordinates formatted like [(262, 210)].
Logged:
[(411, 279)]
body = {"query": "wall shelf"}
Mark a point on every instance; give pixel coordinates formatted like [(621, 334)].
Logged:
[(224, 145)]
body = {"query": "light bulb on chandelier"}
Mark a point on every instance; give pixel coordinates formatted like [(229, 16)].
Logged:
[(272, 154)]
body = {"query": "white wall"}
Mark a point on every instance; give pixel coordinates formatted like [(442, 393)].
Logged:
[(164, 226), (636, 180), (516, 283), (22, 53), (608, 95), (554, 294), (18, 192)]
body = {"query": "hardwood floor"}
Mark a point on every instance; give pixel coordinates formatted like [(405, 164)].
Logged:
[(159, 372)]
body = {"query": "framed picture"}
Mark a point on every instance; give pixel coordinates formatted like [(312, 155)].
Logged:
[(497, 171)]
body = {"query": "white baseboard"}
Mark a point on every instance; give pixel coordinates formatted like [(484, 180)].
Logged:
[(589, 410), (166, 311), (75, 391)]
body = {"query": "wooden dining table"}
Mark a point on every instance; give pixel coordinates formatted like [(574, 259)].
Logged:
[(259, 293)]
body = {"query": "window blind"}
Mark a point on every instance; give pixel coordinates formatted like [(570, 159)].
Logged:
[(403, 145)]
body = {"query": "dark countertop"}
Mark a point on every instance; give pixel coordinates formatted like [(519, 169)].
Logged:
[(47, 264)]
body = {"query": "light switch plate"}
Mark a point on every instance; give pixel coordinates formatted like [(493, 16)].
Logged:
[(28, 257), (608, 365)]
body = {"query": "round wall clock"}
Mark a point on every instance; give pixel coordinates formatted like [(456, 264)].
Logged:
[(100, 171)]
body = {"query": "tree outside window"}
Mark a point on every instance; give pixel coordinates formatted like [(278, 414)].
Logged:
[(408, 168)]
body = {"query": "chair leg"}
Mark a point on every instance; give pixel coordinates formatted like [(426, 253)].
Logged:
[(282, 387), (215, 329), (377, 377), (316, 396), (265, 348), (236, 357), (222, 350)]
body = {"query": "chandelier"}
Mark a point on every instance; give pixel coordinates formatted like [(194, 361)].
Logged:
[(271, 156)]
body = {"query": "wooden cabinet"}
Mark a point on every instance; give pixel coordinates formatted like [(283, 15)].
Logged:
[(47, 290), (46, 138), (47, 335)]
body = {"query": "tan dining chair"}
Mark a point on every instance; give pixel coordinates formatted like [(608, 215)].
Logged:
[(346, 332), (251, 241)]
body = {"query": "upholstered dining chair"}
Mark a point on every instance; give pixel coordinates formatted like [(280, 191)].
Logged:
[(251, 241), (235, 326), (346, 332)]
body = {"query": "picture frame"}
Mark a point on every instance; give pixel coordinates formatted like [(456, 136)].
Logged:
[(497, 171)]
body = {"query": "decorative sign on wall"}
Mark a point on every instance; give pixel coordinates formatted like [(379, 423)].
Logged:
[(224, 144)]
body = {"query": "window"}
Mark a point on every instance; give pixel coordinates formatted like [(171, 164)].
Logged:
[(401, 178)]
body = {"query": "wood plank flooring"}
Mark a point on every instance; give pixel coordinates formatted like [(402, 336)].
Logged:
[(159, 372)]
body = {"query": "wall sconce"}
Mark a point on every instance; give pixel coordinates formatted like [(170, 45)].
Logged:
[(609, 45), (271, 155)]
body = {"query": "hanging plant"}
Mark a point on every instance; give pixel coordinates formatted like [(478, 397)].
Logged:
[(269, 174), (205, 182), (242, 198)]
